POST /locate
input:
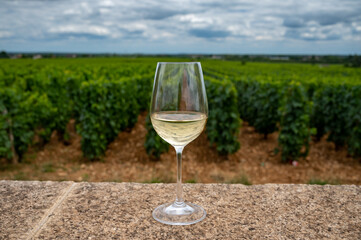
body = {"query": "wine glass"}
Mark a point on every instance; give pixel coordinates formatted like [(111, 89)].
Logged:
[(179, 111)]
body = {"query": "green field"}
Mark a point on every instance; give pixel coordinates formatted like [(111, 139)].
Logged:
[(105, 96)]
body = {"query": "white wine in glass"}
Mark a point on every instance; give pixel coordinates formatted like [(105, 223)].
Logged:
[(179, 112), (178, 128)]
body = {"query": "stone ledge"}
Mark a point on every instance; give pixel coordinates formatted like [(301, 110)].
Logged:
[(67, 210)]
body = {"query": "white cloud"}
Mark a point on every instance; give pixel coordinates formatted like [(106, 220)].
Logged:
[(81, 29), (5, 34), (107, 3)]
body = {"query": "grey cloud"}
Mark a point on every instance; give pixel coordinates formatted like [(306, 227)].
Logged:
[(293, 22), (228, 5), (322, 17), (322, 22), (209, 33), (292, 33), (89, 36), (5, 34), (132, 34), (166, 22), (158, 14), (356, 29), (325, 19), (356, 32), (312, 36)]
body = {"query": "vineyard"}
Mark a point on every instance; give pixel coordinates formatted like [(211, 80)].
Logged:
[(104, 97)]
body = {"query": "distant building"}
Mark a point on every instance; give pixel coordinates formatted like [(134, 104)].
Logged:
[(71, 56), (324, 65), (216, 57), (196, 56), (311, 58), (38, 56), (16, 56), (277, 58)]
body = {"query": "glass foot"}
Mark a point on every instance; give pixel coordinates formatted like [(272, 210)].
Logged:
[(179, 214)]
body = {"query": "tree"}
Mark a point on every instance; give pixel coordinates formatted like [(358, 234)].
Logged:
[(3, 54)]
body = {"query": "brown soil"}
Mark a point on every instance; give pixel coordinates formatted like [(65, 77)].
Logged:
[(127, 160)]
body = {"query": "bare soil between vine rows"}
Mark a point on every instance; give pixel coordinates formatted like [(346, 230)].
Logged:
[(127, 161)]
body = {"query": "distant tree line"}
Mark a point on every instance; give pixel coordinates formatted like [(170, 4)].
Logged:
[(353, 61), (347, 61)]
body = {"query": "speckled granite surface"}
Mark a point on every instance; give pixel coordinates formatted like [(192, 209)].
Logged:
[(63, 210), (23, 204)]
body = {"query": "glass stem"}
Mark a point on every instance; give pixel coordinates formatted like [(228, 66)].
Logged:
[(179, 198)]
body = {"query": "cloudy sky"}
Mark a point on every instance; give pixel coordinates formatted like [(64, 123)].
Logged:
[(184, 26)]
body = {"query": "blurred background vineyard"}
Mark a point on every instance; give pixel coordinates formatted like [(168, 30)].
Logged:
[(283, 81), (86, 119)]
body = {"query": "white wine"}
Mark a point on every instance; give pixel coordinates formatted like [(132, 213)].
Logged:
[(178, 128)]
